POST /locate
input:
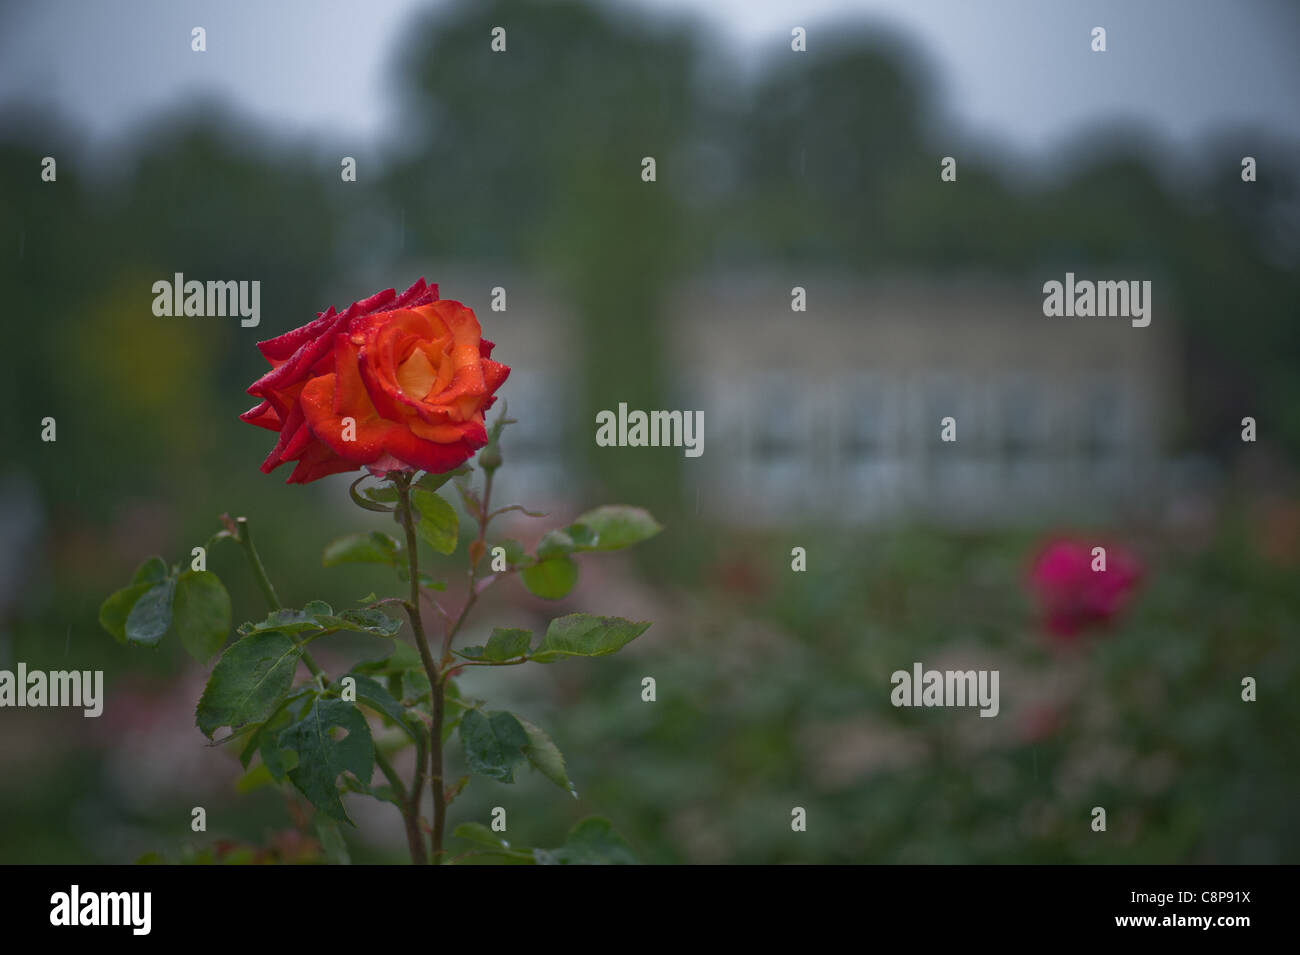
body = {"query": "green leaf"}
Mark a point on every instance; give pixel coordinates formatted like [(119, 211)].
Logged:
[(502, 645), (428, 481), (255, 778), (551, 579), (279, 762), (289, 710), (322, 757), (583, 537), (615, 526), (439, 526), (248, 681), (318, 616), (555, 544), (372, 548), (152, 571), (372, 693), (151, 616), (404, 575), (286, 621), (415, 685), (592, 841), (114, 611), (546, 757), (493, 848), (360, 501), (403, 657), (384, 792), (331, 842), (384, 494), (201, 611), (585, 635), (494, 743), (469, 497), (370, 621), (478, 833), (515, 553)]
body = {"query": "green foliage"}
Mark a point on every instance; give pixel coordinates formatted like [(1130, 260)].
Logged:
[(502, 645), (201, 613), (316, 735), (372, 693), (430, 482), (261, 736), (551, 579), (318, 617), (323, 757), (151, 617), (584, 635), (363, 499), (114, 611), (613, 527), (159, 600), (152, 571), (515, 554), (438, 526), (332, 844), (494, 743), (248, 681), (490, 847), (555, 572), (546, 757), (592, 841), (371, 548), (497, 742)]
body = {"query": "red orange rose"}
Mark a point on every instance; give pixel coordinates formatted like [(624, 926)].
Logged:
[(395, 382)]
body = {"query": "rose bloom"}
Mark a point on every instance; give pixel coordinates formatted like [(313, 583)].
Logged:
[(396, 382), (1075, 597)]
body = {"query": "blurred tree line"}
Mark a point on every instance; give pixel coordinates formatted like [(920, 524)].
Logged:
[(531, 159)]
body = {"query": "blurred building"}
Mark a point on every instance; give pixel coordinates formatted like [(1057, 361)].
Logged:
[(835, 413)]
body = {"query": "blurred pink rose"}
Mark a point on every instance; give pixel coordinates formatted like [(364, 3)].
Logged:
[(1074, 596), (1039, 721)]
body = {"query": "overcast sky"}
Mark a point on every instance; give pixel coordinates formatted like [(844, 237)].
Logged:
[(1011, 73)]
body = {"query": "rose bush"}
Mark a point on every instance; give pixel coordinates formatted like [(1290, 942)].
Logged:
[(395, 382)]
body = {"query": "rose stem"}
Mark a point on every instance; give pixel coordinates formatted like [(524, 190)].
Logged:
[(263, 581), (476, 551), (403, 484), (414, 841), (438, 674)]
